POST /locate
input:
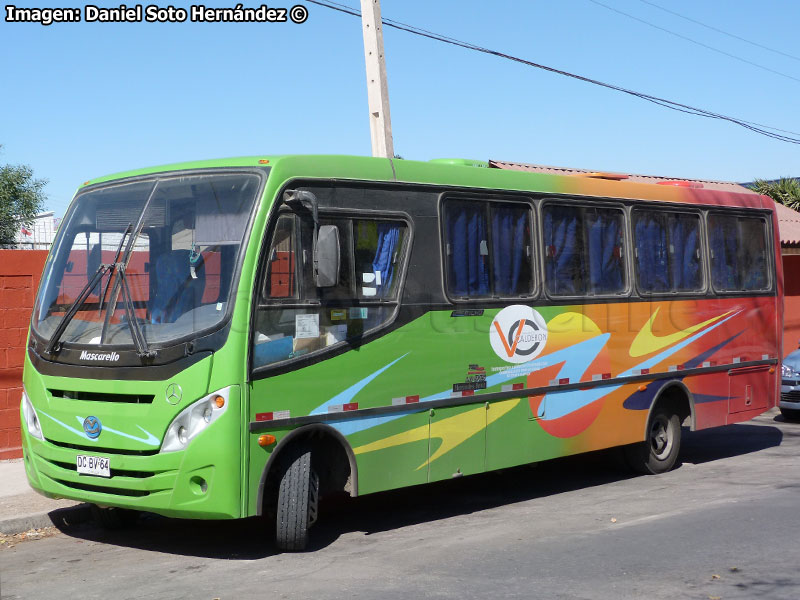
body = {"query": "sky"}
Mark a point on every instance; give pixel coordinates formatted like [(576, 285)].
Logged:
[(81, 100)]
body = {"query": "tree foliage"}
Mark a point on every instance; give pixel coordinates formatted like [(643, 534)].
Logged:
[(21, 198), (785, 190)]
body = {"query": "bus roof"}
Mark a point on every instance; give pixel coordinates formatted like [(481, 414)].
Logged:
[(555, 181)]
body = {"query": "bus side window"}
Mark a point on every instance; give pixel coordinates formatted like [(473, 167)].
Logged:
[(280, 280), (584, 250), (488, 249), (295, 317), (738, 253)]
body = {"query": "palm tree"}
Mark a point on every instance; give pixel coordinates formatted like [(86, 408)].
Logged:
[(785, 190)]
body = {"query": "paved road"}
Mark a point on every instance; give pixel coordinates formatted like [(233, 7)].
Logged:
[(725, 524)]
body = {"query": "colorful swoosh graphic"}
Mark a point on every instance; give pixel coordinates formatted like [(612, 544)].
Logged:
[(646, 342), (567, 413)]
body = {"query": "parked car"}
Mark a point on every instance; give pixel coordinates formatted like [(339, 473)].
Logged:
[(790, 387)]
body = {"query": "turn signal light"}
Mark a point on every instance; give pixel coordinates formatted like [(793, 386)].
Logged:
[(219, 401), (642, 388), (266, 440), (263, 161)]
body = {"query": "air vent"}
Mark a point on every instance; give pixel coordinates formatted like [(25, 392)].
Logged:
[(101, 397)]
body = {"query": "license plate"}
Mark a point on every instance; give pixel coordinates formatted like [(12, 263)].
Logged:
[(93, 465)]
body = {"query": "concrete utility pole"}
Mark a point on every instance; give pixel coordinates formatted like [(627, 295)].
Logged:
[(380, 123)]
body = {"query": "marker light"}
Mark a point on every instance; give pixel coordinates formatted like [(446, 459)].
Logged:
[(194, 419), (266, 440), (31, 418), (263, 161)]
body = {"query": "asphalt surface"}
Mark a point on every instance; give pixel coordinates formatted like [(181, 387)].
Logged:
[(724, 524)]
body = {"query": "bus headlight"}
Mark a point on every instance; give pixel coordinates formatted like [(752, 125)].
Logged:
[(193, 419), (31, 418)]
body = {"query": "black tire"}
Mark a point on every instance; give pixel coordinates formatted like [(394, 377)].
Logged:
[(790, 414), (298, 499), (658, 453), (114, 518)]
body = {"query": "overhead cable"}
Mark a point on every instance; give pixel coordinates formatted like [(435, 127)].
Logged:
[(723, 32), (766, 130), (693, 41)]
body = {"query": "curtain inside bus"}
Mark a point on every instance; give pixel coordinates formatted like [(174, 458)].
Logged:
[(388, 235), (652, 250), (510, 248), (684, 236), (563, 249), (469, 268), (605, 251)]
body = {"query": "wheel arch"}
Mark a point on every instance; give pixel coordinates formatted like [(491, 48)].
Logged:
[(674, 391), (308, 434)]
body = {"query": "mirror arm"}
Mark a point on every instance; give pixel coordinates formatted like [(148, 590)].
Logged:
[(304, 201)]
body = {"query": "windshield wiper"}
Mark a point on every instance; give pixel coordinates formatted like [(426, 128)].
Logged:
[(116, 260), (121, 284), (142, 349), (53, 345)]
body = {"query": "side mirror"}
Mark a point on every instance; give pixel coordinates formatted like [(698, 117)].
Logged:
[(327, 256)]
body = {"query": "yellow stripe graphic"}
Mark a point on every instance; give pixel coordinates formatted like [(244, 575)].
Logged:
[(646, 342), (453, 431)]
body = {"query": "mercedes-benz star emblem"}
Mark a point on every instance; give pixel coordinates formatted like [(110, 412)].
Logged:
[(174, 393)]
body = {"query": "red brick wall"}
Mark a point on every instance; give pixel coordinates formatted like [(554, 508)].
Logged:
[(20, 272)]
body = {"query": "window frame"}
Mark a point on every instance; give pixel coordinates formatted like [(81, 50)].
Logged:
[(571, 201), (258, 304), (705, 262), (488, 199), (767, 224)]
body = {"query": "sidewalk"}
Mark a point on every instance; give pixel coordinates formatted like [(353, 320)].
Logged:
[(22, 509)]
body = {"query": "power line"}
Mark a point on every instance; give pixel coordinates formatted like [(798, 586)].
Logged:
[(712, 28), (772, 132), (693, 41)]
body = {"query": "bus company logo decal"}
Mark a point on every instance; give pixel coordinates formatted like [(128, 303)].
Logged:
[(100, 356), (92, 427), (518, 334)]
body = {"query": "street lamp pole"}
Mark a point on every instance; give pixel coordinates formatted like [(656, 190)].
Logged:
[(380, 123)]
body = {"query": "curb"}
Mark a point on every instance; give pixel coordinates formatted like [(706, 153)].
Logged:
[(62, 518)]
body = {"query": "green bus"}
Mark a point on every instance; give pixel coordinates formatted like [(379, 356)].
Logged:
[(241, 337)]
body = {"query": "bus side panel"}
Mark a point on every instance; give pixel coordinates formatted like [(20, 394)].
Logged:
[(439, 357)]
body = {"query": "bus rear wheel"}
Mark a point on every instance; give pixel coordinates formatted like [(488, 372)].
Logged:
[(298, 500), (658, 453)]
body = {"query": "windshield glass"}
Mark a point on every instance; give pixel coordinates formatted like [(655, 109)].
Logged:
[(180, 265)]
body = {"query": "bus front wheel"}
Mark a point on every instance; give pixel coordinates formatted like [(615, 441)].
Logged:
[(658, 453), (298, 497)]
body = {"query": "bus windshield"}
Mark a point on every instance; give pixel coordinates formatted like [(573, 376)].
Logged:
[(176, 240)]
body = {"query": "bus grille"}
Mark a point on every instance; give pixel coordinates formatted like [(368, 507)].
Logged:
[(102, 489), (93, 449), (103, 397)]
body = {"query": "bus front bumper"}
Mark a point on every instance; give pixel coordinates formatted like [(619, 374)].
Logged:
[(185, 484)]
